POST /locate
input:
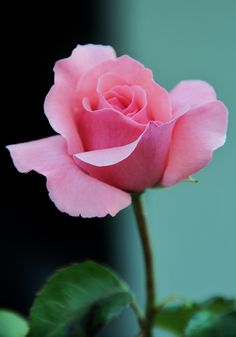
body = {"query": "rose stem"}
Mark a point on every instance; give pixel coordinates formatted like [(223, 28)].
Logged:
[(148, 260)]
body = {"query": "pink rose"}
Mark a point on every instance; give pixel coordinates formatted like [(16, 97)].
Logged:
[(119, 132)]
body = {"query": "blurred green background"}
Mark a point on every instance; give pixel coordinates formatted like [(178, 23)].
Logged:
[(193, 227)]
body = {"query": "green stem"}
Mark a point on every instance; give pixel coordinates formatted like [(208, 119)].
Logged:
[(148, 260)]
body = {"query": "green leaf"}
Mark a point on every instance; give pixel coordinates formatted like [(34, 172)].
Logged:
[(78, 301), (208, 324), (227, 324), (203, 324), (175, 318), (12, 325), (105, 311)]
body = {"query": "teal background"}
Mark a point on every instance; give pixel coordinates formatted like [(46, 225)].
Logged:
[(193, 227)]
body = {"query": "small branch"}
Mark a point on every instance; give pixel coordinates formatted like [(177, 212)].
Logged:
[(138, 314)]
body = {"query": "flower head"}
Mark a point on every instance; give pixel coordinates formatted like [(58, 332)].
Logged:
[(119, 132)]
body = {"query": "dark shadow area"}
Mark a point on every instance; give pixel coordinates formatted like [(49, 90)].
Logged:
[(35, 237)]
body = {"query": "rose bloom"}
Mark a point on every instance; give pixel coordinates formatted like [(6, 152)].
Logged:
[(119, 132)]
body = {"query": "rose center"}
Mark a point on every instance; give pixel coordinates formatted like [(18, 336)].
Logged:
[(120, 97)]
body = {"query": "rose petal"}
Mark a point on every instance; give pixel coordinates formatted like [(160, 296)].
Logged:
[(140, 100), (132, 73), (108, 157), (109, 80), (196, 135), (72, 191), (59, 108), (106, 128), (120, 97), (69, 70), (135, 166), (130, 100), (113, 92), (59, 104), (192, 93)]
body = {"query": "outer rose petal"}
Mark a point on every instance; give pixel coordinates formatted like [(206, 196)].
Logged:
[(196, 135), (72, 191), (135, 166), (192, 93), (60, 111), (69, 70), (59, 103)]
